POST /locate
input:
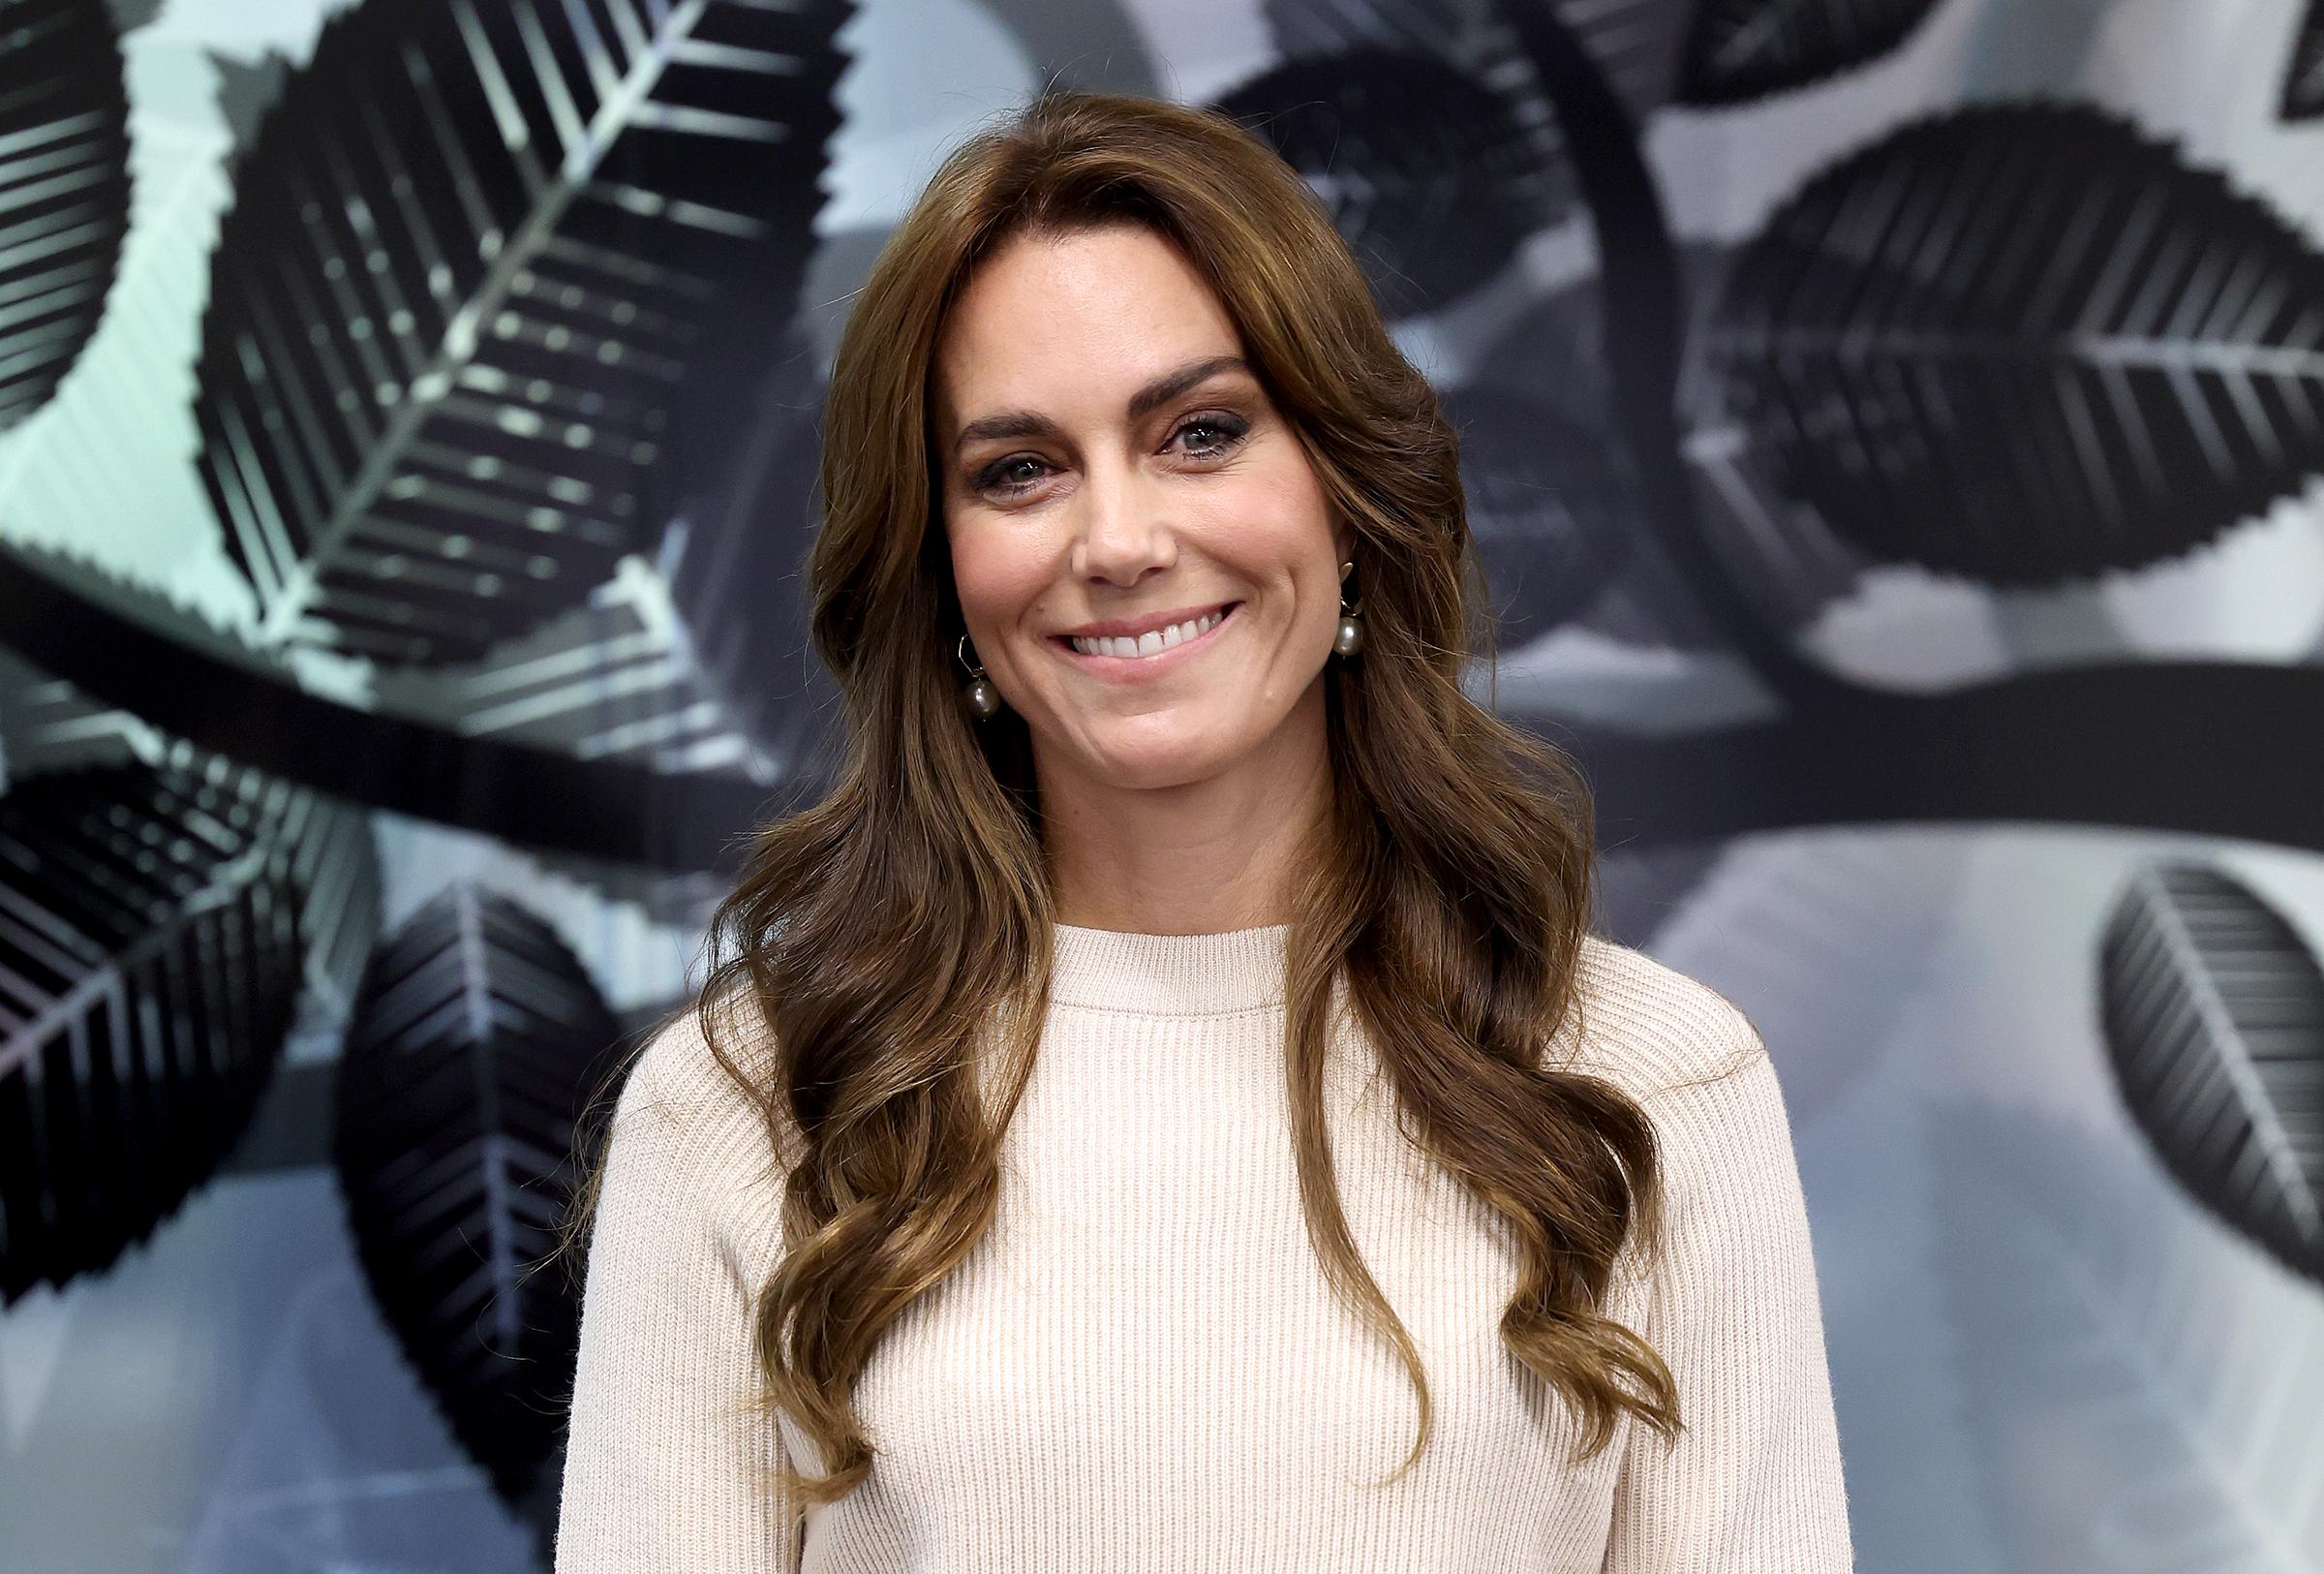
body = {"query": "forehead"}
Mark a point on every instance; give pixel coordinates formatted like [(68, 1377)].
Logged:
[(1071, 324)]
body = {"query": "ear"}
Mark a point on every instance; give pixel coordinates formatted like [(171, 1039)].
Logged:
[(1343, 543)]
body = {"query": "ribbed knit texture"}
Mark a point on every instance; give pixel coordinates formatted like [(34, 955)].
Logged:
[(1142, 1368)]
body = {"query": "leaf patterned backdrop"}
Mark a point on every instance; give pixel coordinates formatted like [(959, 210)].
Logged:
[(1892, 432)]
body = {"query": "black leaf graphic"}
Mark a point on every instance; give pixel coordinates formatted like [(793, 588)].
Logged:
[(2026, 344), (1740, 49), (1425, 170), (1784, 561), (2304, 73), (473, 1044), (1785, 564), (164, 917), (1778, 552), (1634, 41), (2214, 1013), (1549, 511), (491, 275), (64, 190)]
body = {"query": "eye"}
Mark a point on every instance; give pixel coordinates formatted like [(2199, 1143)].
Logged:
[(990, 479), (1227, 431), (1002, 478)]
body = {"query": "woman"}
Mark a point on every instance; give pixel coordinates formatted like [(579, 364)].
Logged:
[(1359, 1208)]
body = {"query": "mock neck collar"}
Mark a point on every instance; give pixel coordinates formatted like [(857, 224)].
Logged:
[(1112, 969)]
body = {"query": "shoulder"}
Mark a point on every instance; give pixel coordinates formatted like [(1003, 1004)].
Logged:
[(1699, 1071), (1649, 1029), (703, 1113), (676, 1071)]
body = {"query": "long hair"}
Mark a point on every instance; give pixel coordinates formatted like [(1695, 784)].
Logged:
[(885, 931)]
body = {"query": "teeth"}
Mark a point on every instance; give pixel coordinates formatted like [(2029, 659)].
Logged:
[(1147, 645)]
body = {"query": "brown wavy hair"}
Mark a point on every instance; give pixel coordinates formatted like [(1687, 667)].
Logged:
[(886, 930)]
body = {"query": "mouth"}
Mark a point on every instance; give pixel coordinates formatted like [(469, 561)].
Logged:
[(1147, 663)]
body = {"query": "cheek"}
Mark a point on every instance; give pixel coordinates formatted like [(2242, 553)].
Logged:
[(995, 577), (1281, 528)]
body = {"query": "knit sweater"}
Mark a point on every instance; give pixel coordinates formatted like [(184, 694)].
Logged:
[(1141, 1365)]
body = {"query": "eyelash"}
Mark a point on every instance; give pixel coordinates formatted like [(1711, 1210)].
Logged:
[(1234, 430)]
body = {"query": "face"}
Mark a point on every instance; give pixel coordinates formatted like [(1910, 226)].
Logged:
[(1109, 466)]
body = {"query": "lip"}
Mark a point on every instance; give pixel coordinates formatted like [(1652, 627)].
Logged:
[(1132, 627), (1144, 667)]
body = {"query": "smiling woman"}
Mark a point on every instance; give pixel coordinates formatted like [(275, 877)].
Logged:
[(1138, 480), (953, 1228)]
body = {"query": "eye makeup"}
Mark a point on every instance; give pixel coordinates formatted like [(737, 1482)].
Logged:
[(1228, 429)]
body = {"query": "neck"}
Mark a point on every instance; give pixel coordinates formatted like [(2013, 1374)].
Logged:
[(1193, 858)]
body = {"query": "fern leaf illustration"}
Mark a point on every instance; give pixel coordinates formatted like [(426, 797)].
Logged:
[(64, 190), (470, 1051), (164, 921), (492, 271), (2214, 1013), (1736, 50), (2026, 344)]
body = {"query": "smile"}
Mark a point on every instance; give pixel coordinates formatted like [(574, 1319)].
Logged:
[(1152, 653)]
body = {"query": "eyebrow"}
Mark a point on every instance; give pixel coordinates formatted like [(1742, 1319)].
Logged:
[(1160, 392)]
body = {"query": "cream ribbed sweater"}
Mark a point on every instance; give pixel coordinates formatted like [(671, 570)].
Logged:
[(1141, 1365)]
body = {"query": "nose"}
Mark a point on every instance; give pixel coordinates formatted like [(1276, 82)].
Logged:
[(1121, 535)]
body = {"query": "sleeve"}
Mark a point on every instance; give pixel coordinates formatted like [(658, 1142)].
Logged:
[(664, 1468), (1753, 1484)]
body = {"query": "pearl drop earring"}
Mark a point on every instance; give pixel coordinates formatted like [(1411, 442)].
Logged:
[(1349, 641), (983, 699)]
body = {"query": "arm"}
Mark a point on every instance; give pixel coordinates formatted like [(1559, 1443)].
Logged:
[(664, 1470), (1754, 1485)]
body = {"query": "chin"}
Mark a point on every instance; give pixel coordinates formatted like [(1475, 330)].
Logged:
[(1159, 762), (1162, 771)]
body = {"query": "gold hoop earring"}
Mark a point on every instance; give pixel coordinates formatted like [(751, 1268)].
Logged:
[(982, 698)]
